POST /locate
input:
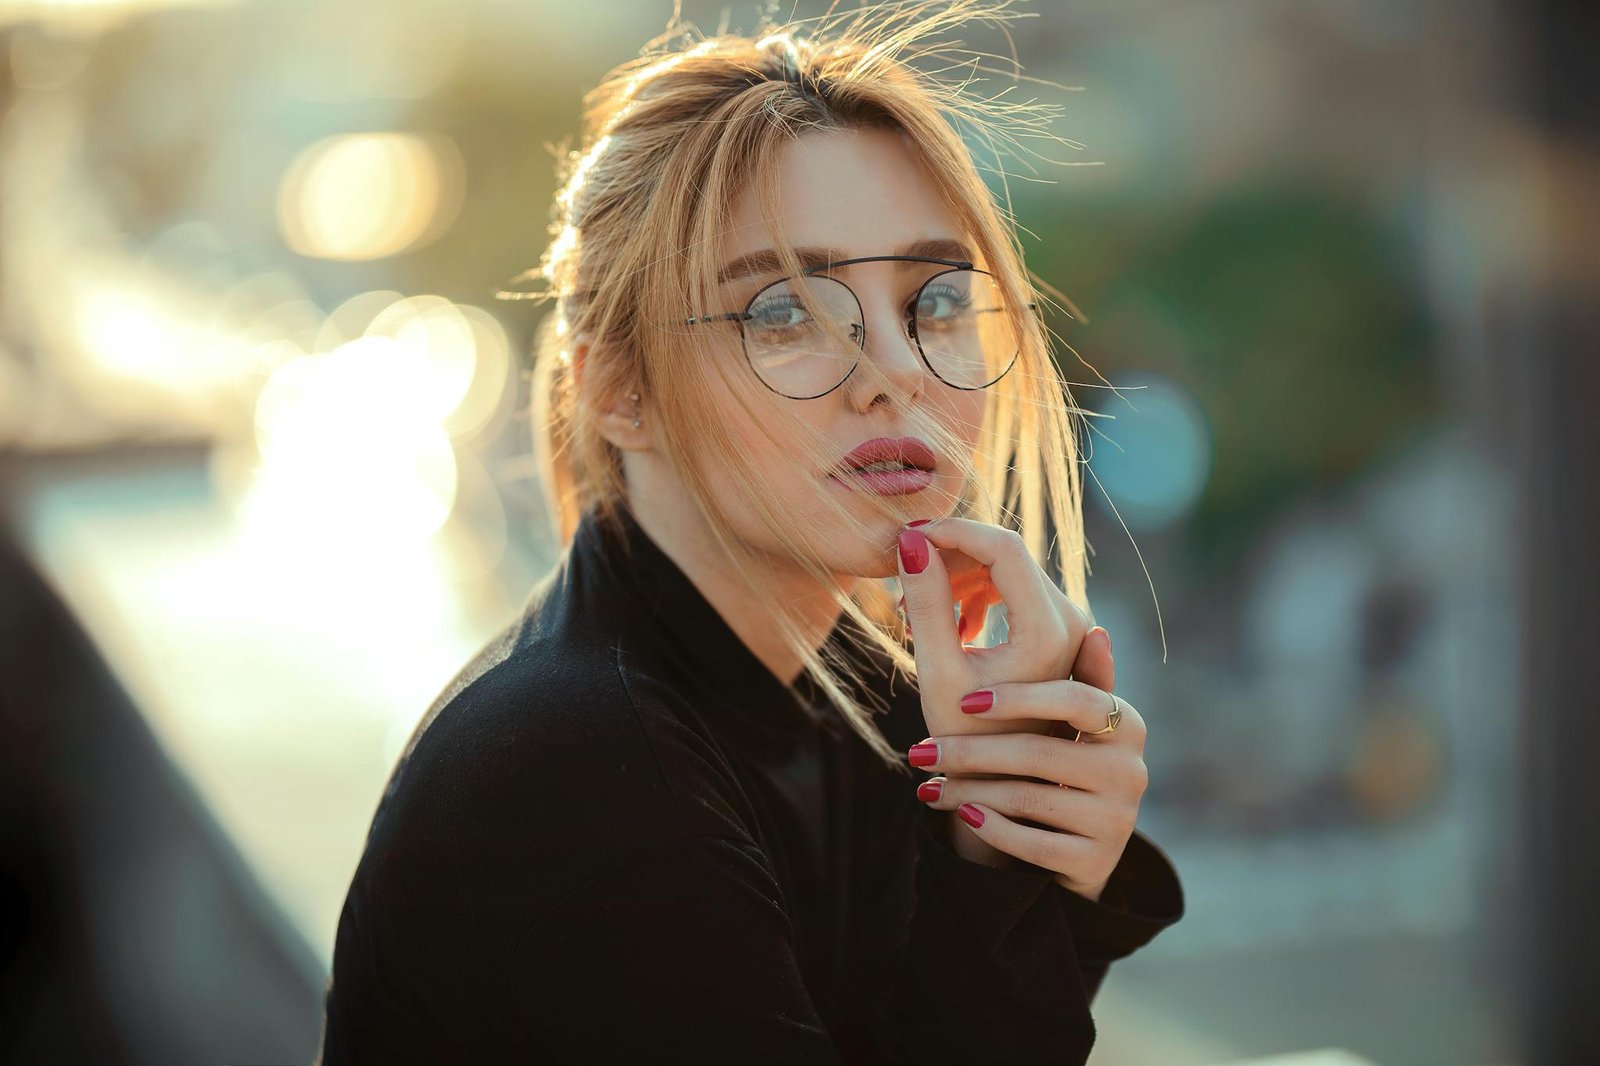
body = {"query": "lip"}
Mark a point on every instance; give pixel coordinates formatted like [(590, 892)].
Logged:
[(887, 482), (912, 450)]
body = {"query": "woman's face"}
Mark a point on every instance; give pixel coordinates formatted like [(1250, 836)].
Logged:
[(859, 193)]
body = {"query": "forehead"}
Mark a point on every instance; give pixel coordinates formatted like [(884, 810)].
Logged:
[(863, 192)]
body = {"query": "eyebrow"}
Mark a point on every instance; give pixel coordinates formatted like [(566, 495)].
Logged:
[(766, 261)]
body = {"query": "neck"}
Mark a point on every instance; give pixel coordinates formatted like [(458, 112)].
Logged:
[(683, 534)]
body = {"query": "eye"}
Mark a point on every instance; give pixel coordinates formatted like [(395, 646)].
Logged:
[(778, 312), (941, 303)]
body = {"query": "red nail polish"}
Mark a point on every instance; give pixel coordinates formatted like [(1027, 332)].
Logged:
[(968, 628), (913, 551), (923, 754), (970, 814), (920, 522), (977, 702), (929, 791)]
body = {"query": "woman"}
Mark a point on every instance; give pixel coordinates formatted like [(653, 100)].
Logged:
[(669, 812)]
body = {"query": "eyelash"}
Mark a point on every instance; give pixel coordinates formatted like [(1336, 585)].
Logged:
[(786, 302)]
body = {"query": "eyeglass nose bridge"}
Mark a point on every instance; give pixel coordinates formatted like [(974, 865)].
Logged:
[(908, 321), (908, 329), (858, 330)]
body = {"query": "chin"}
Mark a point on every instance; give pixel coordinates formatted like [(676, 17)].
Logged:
[(882, 566), (880, 563), (877, 557)]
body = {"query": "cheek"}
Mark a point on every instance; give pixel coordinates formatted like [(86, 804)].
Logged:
[(752, 437), (965, 415), (761, 427), (744, 426)]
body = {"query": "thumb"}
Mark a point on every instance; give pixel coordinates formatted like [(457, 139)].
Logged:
[(1094, 665)]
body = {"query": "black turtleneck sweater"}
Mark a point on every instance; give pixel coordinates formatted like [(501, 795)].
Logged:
[(617, 833)]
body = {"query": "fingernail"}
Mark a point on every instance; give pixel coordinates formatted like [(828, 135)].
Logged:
[(968, 628), (913, 551), (919, 522), (1108, 637), (929, 791), (923, 754), (977, 702), (970, 814)]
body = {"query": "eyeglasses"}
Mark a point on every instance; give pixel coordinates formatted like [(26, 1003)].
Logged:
[(958, 321)]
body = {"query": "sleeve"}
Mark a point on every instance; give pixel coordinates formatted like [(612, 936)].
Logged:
[(1009, 958), (685, 951), (1142, 897), (988, 971)]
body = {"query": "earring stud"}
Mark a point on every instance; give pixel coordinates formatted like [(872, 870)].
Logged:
[(634, 396)]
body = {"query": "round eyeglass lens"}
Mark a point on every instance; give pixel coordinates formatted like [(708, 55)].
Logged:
[(964, 329), (803, 336), (787, 329)]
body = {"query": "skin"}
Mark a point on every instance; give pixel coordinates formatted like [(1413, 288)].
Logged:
[(865, 193)]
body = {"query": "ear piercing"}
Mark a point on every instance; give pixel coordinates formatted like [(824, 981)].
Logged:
[(634, 396)]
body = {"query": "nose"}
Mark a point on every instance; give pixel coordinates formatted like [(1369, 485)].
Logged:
[(890, 348)]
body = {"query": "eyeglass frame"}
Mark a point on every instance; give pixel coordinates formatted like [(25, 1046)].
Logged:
[(953, 266)]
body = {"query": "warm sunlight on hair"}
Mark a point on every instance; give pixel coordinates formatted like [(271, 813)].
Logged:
[(631, 266)]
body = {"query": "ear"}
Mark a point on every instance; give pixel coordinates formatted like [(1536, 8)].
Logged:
[(615, 414)]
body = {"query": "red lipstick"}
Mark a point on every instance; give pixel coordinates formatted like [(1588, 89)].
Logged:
[(888, 466)]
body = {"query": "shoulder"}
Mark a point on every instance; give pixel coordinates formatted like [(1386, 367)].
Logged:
[(538, 775), (545, 749)]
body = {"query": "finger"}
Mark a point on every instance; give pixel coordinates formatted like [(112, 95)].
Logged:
[(1094, 665), (1031, 602), (1080, 705), (1065, 853), (929, 605), (1041, 804), (1060, 761)]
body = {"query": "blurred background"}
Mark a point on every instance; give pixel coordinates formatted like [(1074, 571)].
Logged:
[(265, 464)]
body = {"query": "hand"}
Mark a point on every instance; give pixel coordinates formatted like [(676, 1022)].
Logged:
[(981, 564), (1078, 832)]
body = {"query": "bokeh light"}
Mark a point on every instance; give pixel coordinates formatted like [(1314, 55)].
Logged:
[(369, 195), (1153, 455)]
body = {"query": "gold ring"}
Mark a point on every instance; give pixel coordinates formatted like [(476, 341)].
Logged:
[(1112, 719)]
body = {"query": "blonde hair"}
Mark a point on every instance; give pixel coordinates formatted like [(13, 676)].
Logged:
[(670, 139)]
